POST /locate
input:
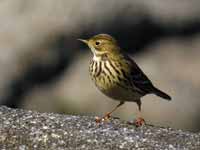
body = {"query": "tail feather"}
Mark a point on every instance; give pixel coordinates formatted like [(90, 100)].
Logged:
[(161, 94)]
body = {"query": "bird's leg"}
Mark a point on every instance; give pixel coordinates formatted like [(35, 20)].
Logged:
[(139, 121), (108, 115)]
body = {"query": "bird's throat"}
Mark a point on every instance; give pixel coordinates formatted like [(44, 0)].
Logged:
[(100, 57), (97, 58)]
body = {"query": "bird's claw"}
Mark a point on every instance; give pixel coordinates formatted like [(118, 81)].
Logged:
[(105, 118), (139, 122), (98, 119)]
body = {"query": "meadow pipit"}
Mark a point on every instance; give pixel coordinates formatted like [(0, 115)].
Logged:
[(117, 75)]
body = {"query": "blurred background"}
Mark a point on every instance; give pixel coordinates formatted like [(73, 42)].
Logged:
[(44, 67)]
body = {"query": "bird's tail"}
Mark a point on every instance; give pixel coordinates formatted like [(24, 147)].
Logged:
[(161, 94)]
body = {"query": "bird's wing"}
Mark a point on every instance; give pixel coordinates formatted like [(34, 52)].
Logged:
[(139, 79)]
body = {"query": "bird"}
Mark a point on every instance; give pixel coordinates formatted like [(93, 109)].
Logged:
[(117, 75)]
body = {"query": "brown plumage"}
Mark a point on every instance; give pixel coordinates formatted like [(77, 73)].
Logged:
[(116, 74)]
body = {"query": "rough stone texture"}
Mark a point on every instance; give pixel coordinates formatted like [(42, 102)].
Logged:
[(22, 129)]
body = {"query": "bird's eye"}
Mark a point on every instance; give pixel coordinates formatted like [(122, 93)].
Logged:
[(97, 42)]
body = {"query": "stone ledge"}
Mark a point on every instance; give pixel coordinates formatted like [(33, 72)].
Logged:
[(22, 129)]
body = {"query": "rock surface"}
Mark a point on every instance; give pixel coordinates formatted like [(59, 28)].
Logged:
[(22, 129)]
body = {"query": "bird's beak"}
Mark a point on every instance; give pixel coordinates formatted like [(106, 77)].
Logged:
[(84, 41)]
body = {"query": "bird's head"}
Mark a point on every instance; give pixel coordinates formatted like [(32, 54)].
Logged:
[(102, 44)]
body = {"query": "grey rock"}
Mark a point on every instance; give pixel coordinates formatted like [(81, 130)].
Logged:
[(23, 129)]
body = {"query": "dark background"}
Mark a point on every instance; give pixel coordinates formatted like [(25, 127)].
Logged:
[(44, 67)]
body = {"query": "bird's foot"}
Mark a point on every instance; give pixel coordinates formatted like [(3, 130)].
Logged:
[(139, 122), (105, 118)]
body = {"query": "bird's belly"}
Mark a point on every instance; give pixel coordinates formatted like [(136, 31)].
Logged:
[(121, 94), (111, 82), (117, 92)]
